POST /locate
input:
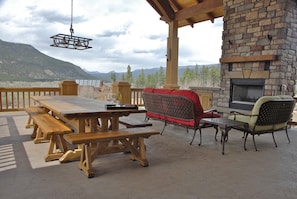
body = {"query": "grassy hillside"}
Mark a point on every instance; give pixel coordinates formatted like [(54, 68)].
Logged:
[(22, 62)]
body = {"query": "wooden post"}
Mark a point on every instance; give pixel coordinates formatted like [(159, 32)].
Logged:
[(123, 88), (172, 57), (68, 87)]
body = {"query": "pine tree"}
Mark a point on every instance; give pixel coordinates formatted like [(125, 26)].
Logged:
[(129, 76), (140, 81), (113, 77)]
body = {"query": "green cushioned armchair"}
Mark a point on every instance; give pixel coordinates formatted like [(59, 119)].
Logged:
[(269, 114)]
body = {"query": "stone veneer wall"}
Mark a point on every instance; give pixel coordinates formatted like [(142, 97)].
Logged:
[(254, 28)]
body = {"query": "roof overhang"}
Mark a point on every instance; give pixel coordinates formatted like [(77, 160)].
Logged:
[(188, 12)]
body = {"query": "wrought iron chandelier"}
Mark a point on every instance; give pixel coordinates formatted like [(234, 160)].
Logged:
[(70, 41)]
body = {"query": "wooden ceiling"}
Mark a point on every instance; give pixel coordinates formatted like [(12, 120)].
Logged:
[(188, 12)]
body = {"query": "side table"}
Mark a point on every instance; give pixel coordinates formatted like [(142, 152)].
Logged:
[(225, 125)]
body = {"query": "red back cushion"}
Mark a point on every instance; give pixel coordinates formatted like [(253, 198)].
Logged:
[(193, 96), (163, 91), (148, 90)]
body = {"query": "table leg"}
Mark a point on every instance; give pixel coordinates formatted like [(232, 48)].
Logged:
[(224, 131), (115, 123), (104, 123)]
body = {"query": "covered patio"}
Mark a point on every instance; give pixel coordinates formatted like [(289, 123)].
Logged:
[(177, 170), (177, 14)]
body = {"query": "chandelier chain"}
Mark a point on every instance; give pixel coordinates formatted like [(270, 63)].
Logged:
[(71, 28)]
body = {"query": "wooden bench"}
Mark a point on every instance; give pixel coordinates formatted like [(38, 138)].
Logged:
[(33, 110), (98, 143), (50, 128), (133, 123)]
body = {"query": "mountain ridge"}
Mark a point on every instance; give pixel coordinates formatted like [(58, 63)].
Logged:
[(23, 62)]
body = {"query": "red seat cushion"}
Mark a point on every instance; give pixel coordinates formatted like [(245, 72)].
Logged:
[(189, 123)]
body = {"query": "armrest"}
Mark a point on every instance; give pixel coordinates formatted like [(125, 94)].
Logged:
[(239, 113), (212, 111)]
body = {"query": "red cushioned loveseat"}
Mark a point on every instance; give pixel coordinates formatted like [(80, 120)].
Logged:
[(179, 107)]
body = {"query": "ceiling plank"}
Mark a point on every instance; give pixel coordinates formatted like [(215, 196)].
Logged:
[(203, 7)]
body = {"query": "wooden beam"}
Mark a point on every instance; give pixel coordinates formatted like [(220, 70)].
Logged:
[(165, 9), (255, 58), (211, 17), (151, 2), (178, 8), (203, 7)]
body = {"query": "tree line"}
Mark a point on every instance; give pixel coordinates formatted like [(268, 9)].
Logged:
[(208, 76)]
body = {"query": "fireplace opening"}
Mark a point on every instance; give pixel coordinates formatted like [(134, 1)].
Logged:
[(245, 92)]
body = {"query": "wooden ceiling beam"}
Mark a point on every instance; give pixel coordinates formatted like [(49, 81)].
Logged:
[(175, 5), (151, 2), (203, 7), (210, 16), (178, 8), (165, 8)]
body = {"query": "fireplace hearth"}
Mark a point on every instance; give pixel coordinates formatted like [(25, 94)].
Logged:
[(245, 92)]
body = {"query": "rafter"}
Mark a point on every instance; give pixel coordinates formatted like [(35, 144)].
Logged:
[(210, 16), (165, 10), (203, 7), (151, 2), (178, 8)]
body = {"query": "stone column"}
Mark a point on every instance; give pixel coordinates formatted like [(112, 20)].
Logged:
[(253, 32), (68, 87)]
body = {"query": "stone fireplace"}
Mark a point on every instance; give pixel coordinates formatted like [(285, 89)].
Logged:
[(258, 52)]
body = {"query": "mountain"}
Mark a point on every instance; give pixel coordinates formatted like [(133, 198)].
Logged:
[(22, 62)]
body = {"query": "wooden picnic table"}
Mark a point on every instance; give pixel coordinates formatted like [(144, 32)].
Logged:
[(82, 114)]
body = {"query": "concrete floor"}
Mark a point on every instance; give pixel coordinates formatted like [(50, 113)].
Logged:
[(177, 170)]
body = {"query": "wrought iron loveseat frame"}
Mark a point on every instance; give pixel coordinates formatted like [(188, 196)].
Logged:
[(177, 110)]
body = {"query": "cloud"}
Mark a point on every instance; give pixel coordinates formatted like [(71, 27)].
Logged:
[(123, 33)]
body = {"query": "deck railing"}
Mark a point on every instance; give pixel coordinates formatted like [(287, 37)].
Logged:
[(136, 96), (16, 99)]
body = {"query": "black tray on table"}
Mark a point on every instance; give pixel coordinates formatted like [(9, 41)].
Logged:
[(124, 106)]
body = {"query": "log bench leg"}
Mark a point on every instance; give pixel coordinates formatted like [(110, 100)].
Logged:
[(33, 135), (85, 163), (29, 123), (57, 148), (137, 148), (39, 138)]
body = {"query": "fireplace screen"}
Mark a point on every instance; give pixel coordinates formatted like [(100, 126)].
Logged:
[(245, 92)]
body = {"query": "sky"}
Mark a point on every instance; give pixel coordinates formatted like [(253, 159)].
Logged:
[(123, 32)]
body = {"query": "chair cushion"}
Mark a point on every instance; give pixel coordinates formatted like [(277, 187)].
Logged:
[(189, 122)]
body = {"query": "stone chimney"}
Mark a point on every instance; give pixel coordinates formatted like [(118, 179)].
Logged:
[(259, 42)]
